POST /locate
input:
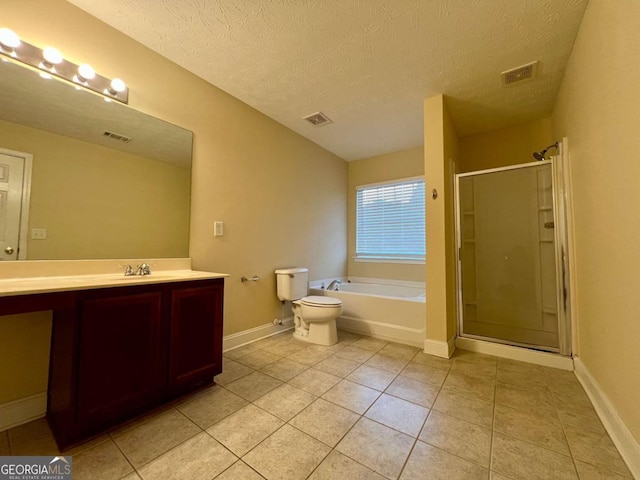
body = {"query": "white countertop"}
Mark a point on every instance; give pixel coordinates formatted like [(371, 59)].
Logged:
[(61, 283)]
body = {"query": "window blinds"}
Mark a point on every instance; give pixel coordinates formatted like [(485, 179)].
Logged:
[(390, 221)]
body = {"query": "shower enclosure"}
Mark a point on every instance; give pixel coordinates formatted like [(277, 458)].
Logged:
[(512, 275)]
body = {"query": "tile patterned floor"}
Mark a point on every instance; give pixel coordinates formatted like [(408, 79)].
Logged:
[(361, 409)]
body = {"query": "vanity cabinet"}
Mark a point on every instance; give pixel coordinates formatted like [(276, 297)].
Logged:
[(117, 352)]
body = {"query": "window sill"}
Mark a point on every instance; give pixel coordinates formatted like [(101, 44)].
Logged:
[(407, 261)]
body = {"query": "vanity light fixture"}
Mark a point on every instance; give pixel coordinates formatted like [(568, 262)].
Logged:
[(9, 41), (50, 58), (85, 74), (51, 62), (117, 86)]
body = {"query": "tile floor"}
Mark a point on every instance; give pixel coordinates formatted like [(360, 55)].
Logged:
[(361, 409)]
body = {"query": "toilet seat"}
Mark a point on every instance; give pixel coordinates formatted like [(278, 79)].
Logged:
[(320, 301)]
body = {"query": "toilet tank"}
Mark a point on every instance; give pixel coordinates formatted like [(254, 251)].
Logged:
[(292, 283)]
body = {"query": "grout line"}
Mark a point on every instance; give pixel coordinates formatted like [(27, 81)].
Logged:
[(124, 455), (457, 418), (564, 431), (162, 453), (493, 424)]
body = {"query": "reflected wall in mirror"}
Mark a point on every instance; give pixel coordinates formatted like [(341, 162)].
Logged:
[(93, 195)]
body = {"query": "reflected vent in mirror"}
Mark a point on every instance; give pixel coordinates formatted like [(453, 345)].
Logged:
[(117, 136)]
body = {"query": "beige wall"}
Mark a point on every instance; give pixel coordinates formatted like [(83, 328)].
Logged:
[(440, 150), (24, 354), (506, 146), (597, 109), (96, 202), (392, 166), (282, 198)]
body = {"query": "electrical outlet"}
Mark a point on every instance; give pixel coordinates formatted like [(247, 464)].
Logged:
[(38, 233), (218, 229)]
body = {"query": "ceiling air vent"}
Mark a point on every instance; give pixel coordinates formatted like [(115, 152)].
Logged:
[(520, 74), (117, 136), (318, 119)]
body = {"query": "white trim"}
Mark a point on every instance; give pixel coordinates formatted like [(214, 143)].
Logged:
[(383, 281), (239, 339), (515, 353), (571, 247), (383, 331), (440, 348), (23, 234), (410, 261), (622, 437), (563, 284), (566, 321), (504, 169), (23, 410), (391, 181)]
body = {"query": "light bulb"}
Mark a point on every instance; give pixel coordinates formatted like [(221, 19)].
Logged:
[(86, 73), (117, 86), (52, 55), (9, 39)]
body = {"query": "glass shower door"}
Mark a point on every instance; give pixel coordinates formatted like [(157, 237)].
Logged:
[(507, 256)]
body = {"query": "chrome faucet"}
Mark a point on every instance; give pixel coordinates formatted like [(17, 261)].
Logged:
[(128, 271), (334, 285), (143, 269)]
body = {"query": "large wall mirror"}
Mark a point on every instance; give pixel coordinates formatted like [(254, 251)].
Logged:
[(106, 180)]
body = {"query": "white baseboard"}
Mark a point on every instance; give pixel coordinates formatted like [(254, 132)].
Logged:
[(23, 410), (383, 331), (440, 348), (622, 437), (515, 353), (247, 336)]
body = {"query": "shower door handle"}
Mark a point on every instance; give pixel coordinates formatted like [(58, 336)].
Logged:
[(564, 279)]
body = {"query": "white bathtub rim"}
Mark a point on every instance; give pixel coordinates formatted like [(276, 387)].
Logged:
[(382, 281), (418, 299), (421, 298)]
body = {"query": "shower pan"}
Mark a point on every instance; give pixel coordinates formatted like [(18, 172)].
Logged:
[(512, 265)]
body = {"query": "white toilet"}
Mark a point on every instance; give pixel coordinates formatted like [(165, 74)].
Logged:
[(314, 316)]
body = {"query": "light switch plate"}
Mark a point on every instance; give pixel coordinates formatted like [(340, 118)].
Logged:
[(218, 229), (38, 233)]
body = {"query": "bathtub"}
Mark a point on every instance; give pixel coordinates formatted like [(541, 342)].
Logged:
[(384, 309)]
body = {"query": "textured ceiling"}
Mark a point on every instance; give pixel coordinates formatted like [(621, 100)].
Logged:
[(367, 64)]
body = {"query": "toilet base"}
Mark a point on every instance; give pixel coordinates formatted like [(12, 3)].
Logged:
[(318, 333)]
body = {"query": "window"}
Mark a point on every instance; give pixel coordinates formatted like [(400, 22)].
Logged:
[(390, 221)]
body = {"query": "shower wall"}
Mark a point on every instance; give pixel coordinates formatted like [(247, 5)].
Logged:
[(503, 147)]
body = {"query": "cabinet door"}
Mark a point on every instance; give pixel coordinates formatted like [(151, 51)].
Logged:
[(196, 334), (122, 356)]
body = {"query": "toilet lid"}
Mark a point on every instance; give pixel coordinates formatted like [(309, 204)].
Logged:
[(319, 301)]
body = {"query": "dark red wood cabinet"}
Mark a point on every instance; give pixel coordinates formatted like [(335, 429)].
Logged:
[(117, 352), (195, 350)]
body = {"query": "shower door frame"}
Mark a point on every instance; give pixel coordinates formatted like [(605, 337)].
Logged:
[(563, 303)]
